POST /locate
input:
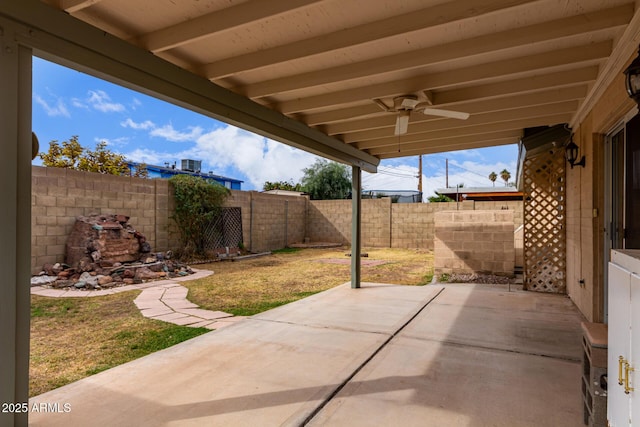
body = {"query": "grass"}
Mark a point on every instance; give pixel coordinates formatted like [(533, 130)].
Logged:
[(286, 250), (72, 338), (255, 285)]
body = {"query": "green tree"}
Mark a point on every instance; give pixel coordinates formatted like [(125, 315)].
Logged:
[(141, 171), (66, 155), (327, 180), (493, 176), (197, 202), (505, 175), (281, 185), (439, 198), (71, 155), (102, 160)]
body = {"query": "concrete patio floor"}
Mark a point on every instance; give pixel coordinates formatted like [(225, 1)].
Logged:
[(438, 355)]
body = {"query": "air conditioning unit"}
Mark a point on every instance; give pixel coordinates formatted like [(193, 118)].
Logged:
[(191, 165)]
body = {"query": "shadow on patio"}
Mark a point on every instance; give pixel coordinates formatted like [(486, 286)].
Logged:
[(454, 355)]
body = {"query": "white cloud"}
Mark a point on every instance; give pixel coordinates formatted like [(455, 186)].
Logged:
[(101, 101), (135, 103), (150, 157), (258, 158), (79, 104), (147, 124), (114, 142), (60, 109), (169, 133)]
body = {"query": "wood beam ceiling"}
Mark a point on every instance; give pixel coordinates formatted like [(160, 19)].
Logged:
[(366, 33), (319, 65), (492, 70), (531, 34)]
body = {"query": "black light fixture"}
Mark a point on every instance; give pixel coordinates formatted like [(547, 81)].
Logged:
[(632, 79), (572, 150)]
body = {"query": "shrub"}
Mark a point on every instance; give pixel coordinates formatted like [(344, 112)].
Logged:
[(197, 201)]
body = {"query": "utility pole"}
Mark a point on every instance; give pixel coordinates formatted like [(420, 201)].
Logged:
[(420, 173), (447, 172)]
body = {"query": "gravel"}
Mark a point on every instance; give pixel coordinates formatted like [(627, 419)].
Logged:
[(480, 278)]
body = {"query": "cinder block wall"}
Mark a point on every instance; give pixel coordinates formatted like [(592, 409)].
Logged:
[(59, 195), (330, 221), (270, 221), (397, 225), (474, 242)]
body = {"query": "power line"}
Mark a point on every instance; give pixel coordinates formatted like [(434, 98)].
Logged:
[(386, 171), (470, 171)]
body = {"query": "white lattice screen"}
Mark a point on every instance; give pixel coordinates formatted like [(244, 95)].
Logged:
[(544, 222)]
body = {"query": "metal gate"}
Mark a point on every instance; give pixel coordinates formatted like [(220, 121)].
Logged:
[(544, 221)]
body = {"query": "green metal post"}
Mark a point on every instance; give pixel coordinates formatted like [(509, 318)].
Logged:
[(356, 221)]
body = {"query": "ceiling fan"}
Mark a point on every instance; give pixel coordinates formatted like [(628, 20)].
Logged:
[(405, 104)]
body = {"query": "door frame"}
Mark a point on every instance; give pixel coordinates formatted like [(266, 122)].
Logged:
[(608, 202)]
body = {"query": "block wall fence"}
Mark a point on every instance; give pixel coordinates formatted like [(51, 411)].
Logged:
[(268, 221), (474, 242)]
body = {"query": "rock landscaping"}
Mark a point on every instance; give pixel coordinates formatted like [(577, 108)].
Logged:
[(104, 251)]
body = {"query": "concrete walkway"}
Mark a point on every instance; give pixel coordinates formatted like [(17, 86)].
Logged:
[(383, 355), (164, 300)]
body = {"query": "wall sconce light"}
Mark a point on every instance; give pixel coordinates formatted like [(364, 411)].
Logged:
[(632, 79), (572, 150)]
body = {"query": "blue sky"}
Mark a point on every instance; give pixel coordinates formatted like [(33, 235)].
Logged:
[(144, 129)]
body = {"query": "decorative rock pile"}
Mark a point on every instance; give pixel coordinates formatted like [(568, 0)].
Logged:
[(104, 251)]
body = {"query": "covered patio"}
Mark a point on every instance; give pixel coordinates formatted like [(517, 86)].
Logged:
[(350, 81), (450, 355)]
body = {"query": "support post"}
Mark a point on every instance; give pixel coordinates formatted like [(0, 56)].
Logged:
[(356, 222), (15, 223)]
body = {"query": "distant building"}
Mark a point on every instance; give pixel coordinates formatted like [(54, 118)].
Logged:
[(286, 192), (189, 167), (481, 193), (397, 196)]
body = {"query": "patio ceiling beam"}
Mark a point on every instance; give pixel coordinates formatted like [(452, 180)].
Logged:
[(448, 143), (552, 96), (61, 37), (467, 131), (404, 152), (519, 87), (73, 6), (216, 22), (365, 33), (484, 118), (565, 27), (529, 65), (626, 45)]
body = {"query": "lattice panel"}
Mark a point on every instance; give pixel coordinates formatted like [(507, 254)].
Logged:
[(544, 222), (224, 230)]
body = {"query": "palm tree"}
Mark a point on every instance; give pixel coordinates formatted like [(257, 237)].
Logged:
[(505, 175), (493, 176)]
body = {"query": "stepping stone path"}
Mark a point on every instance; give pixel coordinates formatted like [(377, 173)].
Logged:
[(163, 300), (169, 303)]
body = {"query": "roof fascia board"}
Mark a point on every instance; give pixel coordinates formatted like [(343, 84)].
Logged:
[(625, 47), (58, 36)]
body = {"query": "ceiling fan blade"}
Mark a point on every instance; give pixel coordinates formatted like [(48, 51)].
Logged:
[(445, 113), (402, 123)]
